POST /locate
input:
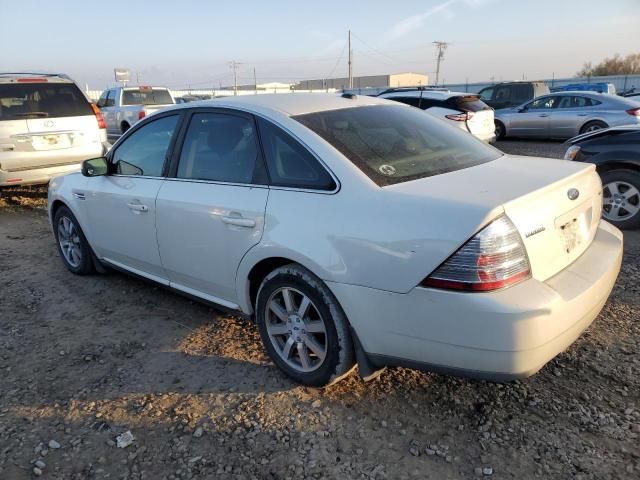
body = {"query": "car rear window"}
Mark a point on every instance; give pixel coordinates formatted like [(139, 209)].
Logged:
[(42, 100), (468, 103), (152, 96), (393, 144)]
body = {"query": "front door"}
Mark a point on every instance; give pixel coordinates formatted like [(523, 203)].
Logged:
[(212, 212), (121, 207), (533, 120)]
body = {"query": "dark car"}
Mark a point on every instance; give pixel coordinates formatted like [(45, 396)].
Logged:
[(616, 154), (512, 94)]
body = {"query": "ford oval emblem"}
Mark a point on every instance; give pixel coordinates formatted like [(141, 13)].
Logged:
[(573, 193), (49, 123)]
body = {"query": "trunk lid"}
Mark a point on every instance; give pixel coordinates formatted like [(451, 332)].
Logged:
[(481, 122), (533, 192)]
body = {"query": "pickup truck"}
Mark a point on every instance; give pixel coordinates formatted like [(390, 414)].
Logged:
[(124, 106)]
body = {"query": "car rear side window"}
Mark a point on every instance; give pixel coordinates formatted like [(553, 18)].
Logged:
[(219, 147), (144, 151), (150, 96), (42, 100), (468, 103), (393, 144), (289, 163)]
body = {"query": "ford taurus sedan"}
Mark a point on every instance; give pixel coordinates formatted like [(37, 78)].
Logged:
[(566, 114), (353, 230)]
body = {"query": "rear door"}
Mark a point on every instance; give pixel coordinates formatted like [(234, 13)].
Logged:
[(109, 111), (213, 209), (45, 124), (533, 120), (566, 118)]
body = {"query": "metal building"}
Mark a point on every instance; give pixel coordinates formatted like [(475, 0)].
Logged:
[(408, 79)]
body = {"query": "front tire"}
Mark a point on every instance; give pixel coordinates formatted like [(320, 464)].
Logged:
[(621, 198), (72, 244), (500, 131), (303, 328)]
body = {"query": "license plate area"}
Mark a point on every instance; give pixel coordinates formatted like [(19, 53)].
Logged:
[(575, 228)]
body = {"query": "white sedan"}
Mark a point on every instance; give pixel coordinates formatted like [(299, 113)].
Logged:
[(353, 230)]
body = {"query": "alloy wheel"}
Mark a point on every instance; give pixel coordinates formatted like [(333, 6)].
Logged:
[(296, 329), (620, 201), (69, 240)]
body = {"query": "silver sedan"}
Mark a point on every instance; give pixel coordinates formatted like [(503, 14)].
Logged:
[(566, 114)]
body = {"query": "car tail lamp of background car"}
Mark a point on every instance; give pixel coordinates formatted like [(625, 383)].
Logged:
[(494, 258), (141, 114), (634, 111), (460, 117), (99, 116)]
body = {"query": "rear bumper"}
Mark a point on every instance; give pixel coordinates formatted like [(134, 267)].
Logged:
[(502, 335), (38, 176), (61, 161)]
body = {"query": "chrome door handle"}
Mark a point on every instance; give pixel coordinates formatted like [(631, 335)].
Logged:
[(137, 207), (239, 221), (543, 115)]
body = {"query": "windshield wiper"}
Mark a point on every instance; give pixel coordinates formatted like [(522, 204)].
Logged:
[(29, 114)]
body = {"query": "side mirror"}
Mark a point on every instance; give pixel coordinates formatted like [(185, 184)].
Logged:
[(522, 109), (95, 167)]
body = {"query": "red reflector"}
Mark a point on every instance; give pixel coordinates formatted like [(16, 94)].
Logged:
[(634, 111), (141, 114), (14, 180), (32, 80)]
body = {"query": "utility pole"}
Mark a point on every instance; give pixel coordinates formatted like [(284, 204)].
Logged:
[(441, 47), (138, 78), (255, 81), (234, 66), (350, 63)]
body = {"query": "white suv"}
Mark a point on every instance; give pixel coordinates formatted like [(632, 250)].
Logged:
[(47, 127), (462, 110)]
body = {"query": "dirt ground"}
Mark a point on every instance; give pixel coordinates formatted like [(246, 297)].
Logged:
[(85, 359)]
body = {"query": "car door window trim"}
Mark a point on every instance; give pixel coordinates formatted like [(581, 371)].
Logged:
[(170, 149), (179, 144)]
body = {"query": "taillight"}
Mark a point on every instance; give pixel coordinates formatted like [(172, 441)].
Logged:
[(460, 117), (32, 80), (494, 258), (99, 116), (634, 111), (141, 114)]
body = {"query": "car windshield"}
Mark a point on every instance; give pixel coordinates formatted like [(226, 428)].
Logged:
[(42, 100), (393, 144), (155, 96)]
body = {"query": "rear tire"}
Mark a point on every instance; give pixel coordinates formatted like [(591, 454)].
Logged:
[(124, 127), (500, 131), (621, 198), (303, 328), (593, 126), (72, 245)]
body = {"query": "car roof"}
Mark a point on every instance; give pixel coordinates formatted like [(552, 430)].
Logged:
[(290, 104), (433, 94), (15, 77)]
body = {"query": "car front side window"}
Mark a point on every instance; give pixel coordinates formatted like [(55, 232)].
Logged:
[(543, 103), (145, 151), (486, 94), (219, 147)]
